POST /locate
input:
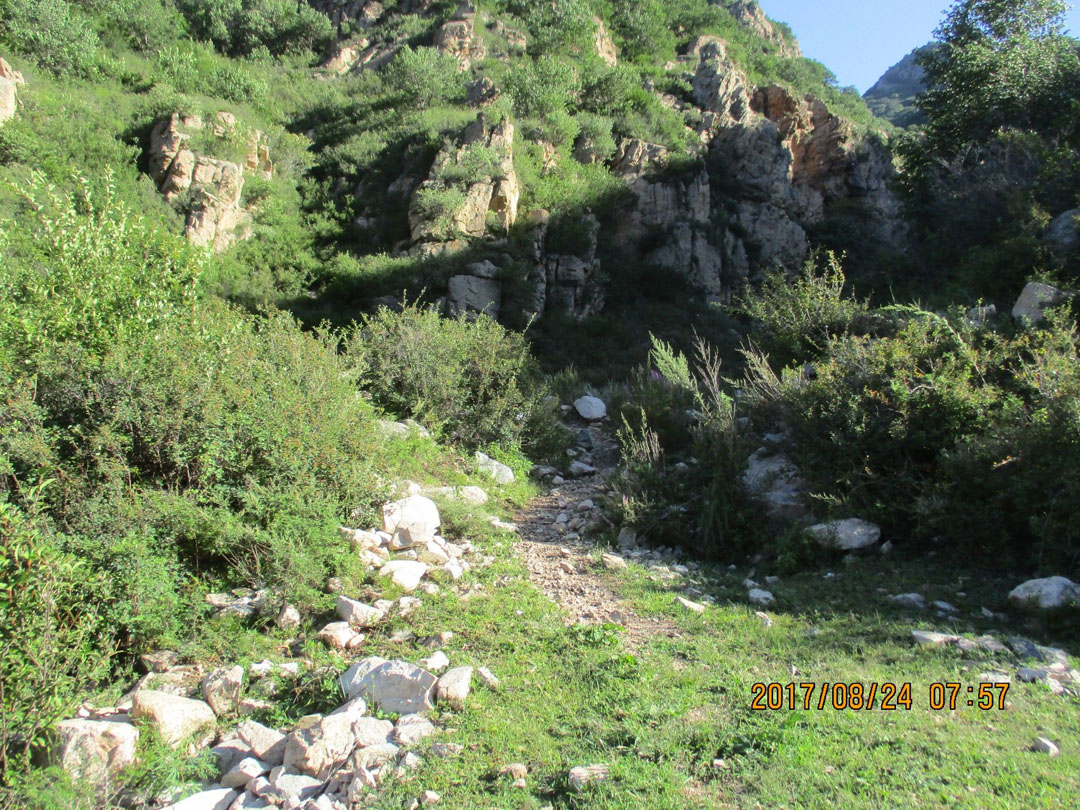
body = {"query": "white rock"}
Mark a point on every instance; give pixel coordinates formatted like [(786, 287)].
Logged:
[(447, 750), (429, 797), (1051, 594), (579, 469), (613, 562), (412, 521), (338, 635), (1034, 299), (288, 786), (375, 756), (474, 495), (590, 408), (406, 574), (318, 749), (266, 744), (693, 607), (455, 569), (498, 471), (488, 678), (244, 771), (411, 728), (912, 601), (221, 688), (454, 686), (776, 480), (357, 614), (391, 686), (433, 554), (217, 799), (945, 607), (93, 749), (846, 535), (174, 718), (587, 774), (760, 598), (928, 638), (1045, 746), (289, 618), (436, 663)]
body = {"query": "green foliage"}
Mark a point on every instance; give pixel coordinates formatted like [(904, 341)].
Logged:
[(439, 206), (470, 381), (91, 272), (683, 412), (52, 645), (54, 33), (1000, 63), (795, 318), (643, 31), (554, 24), (544, 87), (240, 27), (424, 77)]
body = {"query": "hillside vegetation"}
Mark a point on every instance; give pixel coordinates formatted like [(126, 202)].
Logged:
[(327, 328)]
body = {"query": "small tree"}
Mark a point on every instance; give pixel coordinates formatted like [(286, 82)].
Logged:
[(1001, 63)]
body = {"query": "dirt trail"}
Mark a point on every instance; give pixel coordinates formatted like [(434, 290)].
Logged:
[(561, 563)]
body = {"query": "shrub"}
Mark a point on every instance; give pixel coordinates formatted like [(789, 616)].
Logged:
[(241, 27), (53, 645), (424, 77), (55, 34), (470, 381), (794, 319)]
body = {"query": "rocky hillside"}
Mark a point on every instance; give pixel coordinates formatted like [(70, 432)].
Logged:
[(893, 95)]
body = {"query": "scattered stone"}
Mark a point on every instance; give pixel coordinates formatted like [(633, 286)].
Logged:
[(515, 770), (693, 607), (766, 622), (994, 677), (266, 744), (498, 471), (1046, 595), (929, 638), (613, 562), (357, 614), (412, 521), (566, 567), (339, 635), (436, 663), (488, 678), (244, 771), (319, 748), (92, 750), (454, 686), (776, 480), (391, 686), (587, 774), (160, 661), (216, 799), (579, 469), (590, 408), (474, 495), (406, 574), (761, 598), (411, 728), (429, 797), (911, 601), (628, 538), (375, 756), (945, 607), (291, 787), (174, 718), (447, 750), (289, 618), (1030, 675), (1045, 746), (222, 689)]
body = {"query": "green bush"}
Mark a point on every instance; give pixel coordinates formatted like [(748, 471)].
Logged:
[(240, 27), (57, 35), (50, 625), (471, 381), (424, 78)]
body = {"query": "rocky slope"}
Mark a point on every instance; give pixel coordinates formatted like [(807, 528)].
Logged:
[(893, 95)]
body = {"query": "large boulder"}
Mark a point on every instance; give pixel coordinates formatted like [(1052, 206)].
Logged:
[(221, 688), (471, 294), (591, 408), (1036, 298), (319, 748), (390, 686), (846, 535), (499, 472), (93, 749), (1046, 595), (215, 799), (174, 718), (453, 687), (413, 521), (776, 480), (10, 80), (266, 744), (1063, 233), (357, 614)]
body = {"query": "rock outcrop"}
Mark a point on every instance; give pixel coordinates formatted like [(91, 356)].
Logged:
[(457, 37), (211, 187), (749, 13), (10, 82)]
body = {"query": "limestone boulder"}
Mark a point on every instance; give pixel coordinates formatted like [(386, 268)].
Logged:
[(846, 535), (174, 718), (1034, 300), (221, 689), (412, 521), (390, 686), (93, 749), (1046, 595)]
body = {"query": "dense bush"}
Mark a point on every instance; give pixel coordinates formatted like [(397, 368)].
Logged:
[(56, 34), (471, 381), (241, 27)]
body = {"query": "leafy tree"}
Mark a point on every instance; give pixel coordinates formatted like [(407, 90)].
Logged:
[(423, 77), (53, 33), (1001, 63)]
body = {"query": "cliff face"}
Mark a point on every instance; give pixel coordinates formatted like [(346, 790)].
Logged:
[(769, 162)]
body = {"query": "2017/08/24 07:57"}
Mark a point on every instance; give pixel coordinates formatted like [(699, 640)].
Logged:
[(886, 696)]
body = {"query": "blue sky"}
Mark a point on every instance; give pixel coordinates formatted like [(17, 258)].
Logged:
[(859, 39)]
